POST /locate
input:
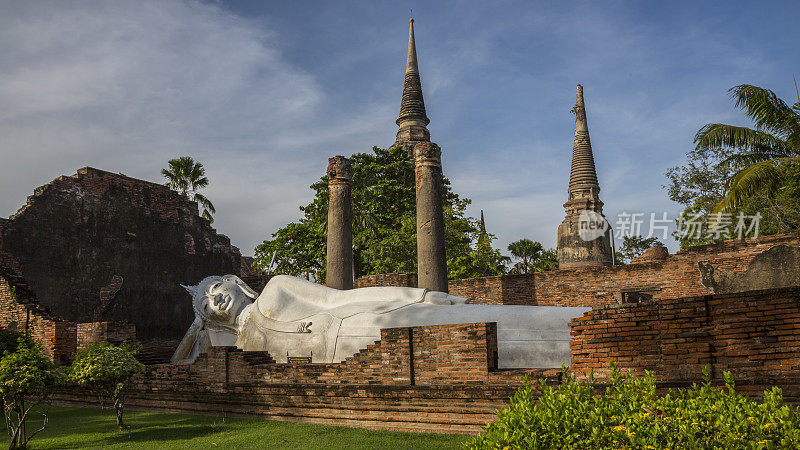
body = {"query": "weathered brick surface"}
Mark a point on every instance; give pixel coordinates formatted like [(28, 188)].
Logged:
[(755, 335), (679, 275), (19, 311), (98, 246), (113, 332), (387, 279)]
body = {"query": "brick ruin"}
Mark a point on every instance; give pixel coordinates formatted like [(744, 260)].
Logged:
[(723, 267), (445, 378), (98, 246)]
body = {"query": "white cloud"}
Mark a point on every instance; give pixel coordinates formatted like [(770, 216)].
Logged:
[(125, 86)]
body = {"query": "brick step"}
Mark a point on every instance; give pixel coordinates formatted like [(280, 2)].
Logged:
[(384, 416), (389, 426), (334, 416), (449, 423), (151, 359), (444, 409)]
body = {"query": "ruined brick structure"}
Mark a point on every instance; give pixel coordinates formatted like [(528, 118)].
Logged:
[(724, 267), (444, 378), (435, 379), (755, 335), (98, 246), (21, 312)]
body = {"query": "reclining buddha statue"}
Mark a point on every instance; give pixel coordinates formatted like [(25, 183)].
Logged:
[(295, 317)]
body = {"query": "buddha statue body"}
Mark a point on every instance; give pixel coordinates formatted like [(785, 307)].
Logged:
[(295, 317)]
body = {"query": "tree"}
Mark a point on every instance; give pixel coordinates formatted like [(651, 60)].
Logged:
[(187, 177), (27, 378), (384, 224), (106, 369), (720, 179), (533, 256), (633, 246), (759, 153), (487, 260)]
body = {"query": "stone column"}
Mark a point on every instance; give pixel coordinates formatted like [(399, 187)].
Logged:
[(340, 224), (431, 259)]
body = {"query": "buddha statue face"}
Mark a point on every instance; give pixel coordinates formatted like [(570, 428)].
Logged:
[(219, 300)]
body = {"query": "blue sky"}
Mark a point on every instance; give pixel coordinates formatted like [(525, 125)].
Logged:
[(264, 92)]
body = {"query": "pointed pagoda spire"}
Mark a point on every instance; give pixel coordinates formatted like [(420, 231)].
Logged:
[(583, 174), (584, 237), (412, 119), (483, 224)]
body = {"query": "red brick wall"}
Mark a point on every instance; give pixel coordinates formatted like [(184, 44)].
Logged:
[(677, 276), (19, 311), (437, 378), (755, 335), (442, 354)]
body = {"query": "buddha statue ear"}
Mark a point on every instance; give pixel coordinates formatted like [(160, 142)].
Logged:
[(190, 289)]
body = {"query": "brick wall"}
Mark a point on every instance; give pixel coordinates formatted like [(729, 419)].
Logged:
[(436, 378), (430, 355), (113, 332), (19, 311), (387, 279), (755, 335), (99, 246), (683, 274)]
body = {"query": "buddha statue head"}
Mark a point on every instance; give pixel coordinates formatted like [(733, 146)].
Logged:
[(218, 300)]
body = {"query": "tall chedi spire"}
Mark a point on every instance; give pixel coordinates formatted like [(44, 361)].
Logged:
[(584, 237), (412, 119)]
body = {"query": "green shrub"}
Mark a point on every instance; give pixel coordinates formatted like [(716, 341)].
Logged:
[(629, 414), (27, 378), (106, 370), (9, 340)]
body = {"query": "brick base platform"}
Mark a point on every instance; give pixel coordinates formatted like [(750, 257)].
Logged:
[(434, 379)]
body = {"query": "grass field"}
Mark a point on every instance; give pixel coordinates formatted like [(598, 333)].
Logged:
[(94, 428)]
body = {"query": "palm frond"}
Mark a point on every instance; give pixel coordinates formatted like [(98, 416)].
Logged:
[(204, 202), (764, 175), (766, 109), (749, 159), (718, 135)]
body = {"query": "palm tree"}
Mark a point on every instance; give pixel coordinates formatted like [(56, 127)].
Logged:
[(187, 176), (760, 153), (534, 258)]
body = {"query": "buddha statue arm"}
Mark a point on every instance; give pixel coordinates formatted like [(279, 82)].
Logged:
[(255, 316)]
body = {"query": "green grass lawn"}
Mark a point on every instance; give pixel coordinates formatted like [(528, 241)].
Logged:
[(95, 428)]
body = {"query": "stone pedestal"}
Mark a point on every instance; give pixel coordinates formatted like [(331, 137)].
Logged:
[(340, 224), (431, 258)]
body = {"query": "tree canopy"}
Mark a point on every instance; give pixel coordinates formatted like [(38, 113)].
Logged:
[(633, 246), (741, 171), (27, 378), (106, 369), (532, 256), (384, 226)]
